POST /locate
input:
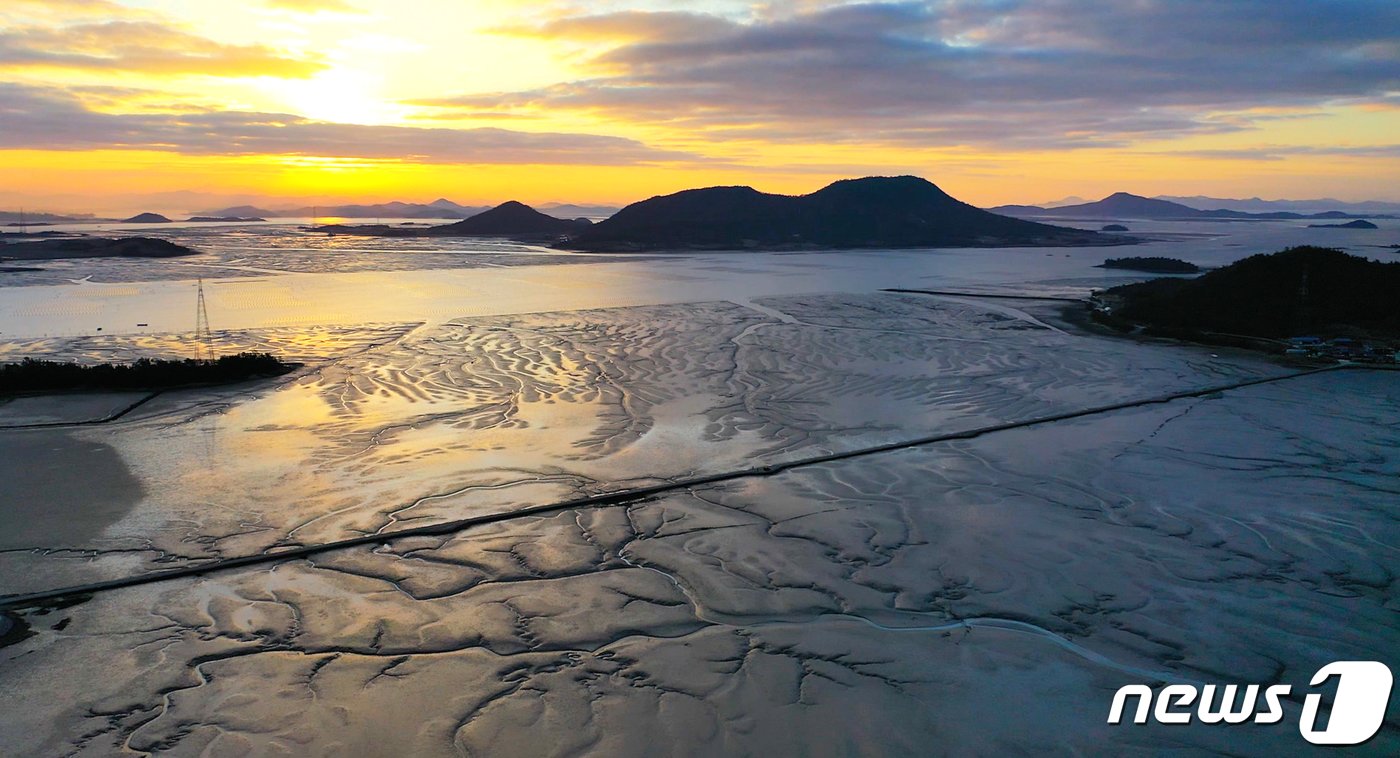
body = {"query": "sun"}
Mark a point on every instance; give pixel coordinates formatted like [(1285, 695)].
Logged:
[(341, 95)]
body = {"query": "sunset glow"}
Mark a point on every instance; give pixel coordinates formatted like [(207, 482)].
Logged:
[(104, 103)]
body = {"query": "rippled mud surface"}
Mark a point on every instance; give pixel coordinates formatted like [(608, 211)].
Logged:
[(403, 426), (981, 596)]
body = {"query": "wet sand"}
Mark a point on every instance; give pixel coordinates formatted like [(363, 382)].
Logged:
[(61, 489)]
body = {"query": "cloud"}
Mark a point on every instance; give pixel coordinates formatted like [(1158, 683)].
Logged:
[(1282, 152), (67, 7), (42, 119), (626, 26), (1021, 74), (142, 46)]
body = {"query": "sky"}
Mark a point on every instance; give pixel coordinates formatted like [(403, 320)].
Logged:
[(191, 104)]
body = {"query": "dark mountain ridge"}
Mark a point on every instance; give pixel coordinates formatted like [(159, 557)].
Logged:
[(438, 209), (904, 211), (1128, 205)]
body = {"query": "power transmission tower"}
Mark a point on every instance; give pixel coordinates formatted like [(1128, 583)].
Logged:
[(203, 338)]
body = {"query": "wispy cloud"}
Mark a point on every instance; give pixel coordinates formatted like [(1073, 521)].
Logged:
[(48, 119), (1282, 152), (147, 47)]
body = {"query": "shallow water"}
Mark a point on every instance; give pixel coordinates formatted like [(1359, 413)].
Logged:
[(279, 275)]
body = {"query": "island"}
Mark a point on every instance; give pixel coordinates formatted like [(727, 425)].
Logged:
[(1114, 228), (36, 235), (510, 219), (1152, 264), (1128, 205), (56, 248), (33, 376), (1299, 291), (146, 218), (223, 219), (31, 218), (1357, 224), (873, 212)]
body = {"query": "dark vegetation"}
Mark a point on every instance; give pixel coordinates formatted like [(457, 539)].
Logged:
[(31, 375), (903, 211), (1299, 291), (1152, 264)]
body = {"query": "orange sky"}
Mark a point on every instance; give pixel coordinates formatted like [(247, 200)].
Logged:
[(115, 105)]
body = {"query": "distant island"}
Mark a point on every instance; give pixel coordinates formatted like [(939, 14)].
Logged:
[(223, 219), (30, 218), (146, 218), (30, 375), (510, 219), (1128, 205), (1299, 291), (441, 208), (56, 248), (5, 236), (1358, 224), (1152, 264), (1114, 228), (1257, 205), (438, 209), (874, 212)]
